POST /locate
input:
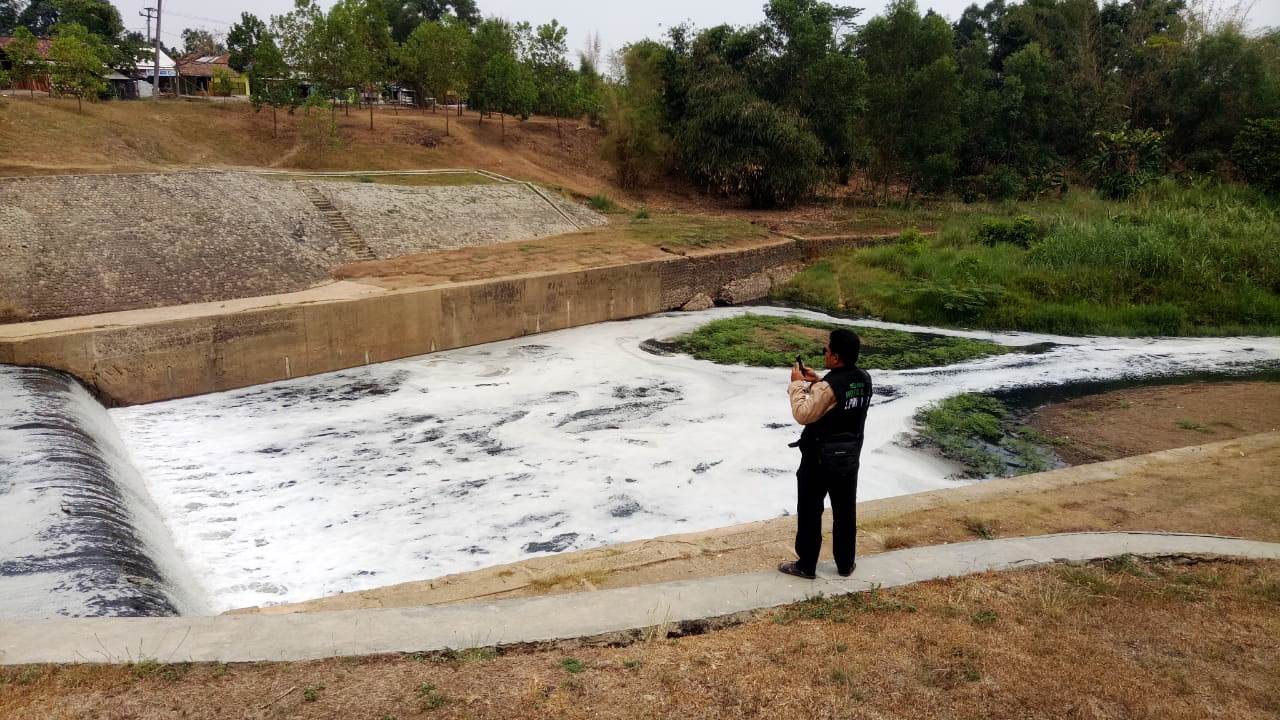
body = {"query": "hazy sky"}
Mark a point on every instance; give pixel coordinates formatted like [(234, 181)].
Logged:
[(617, 23)]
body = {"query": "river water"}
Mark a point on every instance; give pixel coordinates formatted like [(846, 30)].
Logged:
[(449, 462)]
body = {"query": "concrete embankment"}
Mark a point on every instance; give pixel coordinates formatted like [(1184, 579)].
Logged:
[(250, 638), (157, 354)]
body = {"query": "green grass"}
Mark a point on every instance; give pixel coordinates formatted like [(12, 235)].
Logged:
[(1202, 260), (771, 341), (430, 697), (677, 231), (979, 432), (602, 203)]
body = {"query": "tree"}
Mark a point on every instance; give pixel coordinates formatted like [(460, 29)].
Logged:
[(434, 58), (635, 142), (913, 97), (733, 143), (555, 81), (318, 128), (243, 39), (98, 17), (304, 38), (198, 41), (39, 16), (505, 86), (810, 67), (361, 45), (8, 16), (24, 57), (347, 48), (406, 15), (76, 62), (1256, 153), (269, 80), (1126, 161), (1221, 83), (492, 38)]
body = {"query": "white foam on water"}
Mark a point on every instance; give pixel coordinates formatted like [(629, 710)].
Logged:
[(462, 459), (79, 535)]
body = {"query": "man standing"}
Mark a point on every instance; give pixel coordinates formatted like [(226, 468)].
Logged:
[(834, 411)]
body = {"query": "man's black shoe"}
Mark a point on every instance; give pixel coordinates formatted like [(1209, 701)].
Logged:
[(847, 573), (790, 568)]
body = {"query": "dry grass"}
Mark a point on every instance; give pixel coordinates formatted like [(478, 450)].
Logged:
[(11, 312), (1125, 639), (623, 240), (407, 180), (48, 136)]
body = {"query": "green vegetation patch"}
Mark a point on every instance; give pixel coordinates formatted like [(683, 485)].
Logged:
[(1175, 260), (981, 433), (772, 341), (676, 231)]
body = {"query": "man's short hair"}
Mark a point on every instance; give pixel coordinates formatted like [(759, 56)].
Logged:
[(846, 345)]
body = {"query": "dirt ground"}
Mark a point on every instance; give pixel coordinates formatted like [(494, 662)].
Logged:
[(624, 240), (47, 136), (1122, 639), (1131, 422)]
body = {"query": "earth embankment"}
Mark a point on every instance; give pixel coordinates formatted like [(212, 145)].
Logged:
[(86, 244)]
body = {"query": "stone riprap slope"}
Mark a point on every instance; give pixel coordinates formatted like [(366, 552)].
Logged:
[(76, 245), (400, 220)]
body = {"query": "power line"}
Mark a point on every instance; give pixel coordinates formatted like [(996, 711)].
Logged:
[(201, 19)]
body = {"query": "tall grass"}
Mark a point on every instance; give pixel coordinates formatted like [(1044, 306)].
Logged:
[(1177, 260)]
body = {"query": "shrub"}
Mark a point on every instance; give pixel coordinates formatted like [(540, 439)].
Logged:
[(318, 128), (956, 302), (1021, 231), (602, 203), (1001, 183), (1257, 153), (222, 83), (1126, 161), (735, 144)]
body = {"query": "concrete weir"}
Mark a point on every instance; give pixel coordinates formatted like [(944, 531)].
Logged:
[(250, 638), (147, 355)]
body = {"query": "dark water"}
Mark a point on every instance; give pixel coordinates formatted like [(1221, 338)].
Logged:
[(1024, 400), (78, 536)]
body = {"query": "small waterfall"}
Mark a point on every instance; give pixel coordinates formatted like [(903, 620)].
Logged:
[(79, 536)]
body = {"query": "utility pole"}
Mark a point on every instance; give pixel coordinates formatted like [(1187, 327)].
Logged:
[(155, 91), (149, 14)]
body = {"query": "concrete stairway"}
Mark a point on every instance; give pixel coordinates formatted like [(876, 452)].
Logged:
[(347, 234)]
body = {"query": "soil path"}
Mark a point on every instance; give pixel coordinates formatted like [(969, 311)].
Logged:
[(1122, 423)]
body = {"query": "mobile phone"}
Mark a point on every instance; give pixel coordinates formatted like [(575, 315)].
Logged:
[(800, 362)]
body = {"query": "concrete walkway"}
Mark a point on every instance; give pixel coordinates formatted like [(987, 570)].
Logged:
[(307, 636)]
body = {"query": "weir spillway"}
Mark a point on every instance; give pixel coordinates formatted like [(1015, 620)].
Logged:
[(79, 535), (448, 462)]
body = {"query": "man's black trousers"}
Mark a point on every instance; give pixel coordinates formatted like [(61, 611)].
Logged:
[(814, 482)]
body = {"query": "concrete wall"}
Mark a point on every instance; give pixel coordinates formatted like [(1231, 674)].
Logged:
[(161, 360)]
